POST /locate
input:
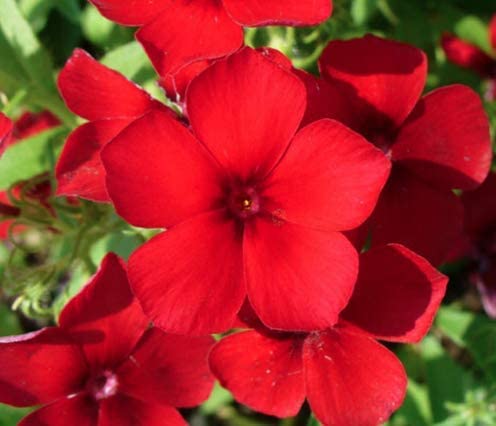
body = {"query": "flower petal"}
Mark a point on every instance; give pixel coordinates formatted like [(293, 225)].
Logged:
[(187, 32), (179, 362), (397, 294), (131, 12), (330, 178), (422, 218), (5, 131), (121, 410), (298, 278), (246, 109), (39, 367), (79, 170), (265, 373), (466, 55), (175, 85), (78, 410), (351, 379), (158, 174), (254, 13), (492, 31), (105, 317), (382, 78), (446, 139), (189, 279), (95, 92), (480, 208)]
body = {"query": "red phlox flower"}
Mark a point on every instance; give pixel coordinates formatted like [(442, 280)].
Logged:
[(348, 378), (177, 33), (110, 102), (5, 131), (467, 55), (252, 206), (436, 143), (103, 365)]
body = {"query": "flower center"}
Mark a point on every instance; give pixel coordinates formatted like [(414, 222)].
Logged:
[(103, 385), (244, 202)]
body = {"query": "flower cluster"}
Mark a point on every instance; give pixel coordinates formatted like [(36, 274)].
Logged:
[(310, 210)]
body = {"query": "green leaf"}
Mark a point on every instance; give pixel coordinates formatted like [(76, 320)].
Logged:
[(313, 421), (9, 322), (363, 10), (10, 416), (415, 409), (218, 399), (120, 242), (36, 12), (30, 157), (70, 9), (474, 30)]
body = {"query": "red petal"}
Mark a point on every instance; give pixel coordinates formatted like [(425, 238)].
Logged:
[(264, 373), (39, 367), (298, 278), (446, 139), (254, 13), (351, 380), (104, 317), (5, 131), (121, 410), (397, 294), (175, 85), (383, 78), (466, 54), (422, 218), (77, 410), (480, 207), (330, 178), (492, 32), (246, 109), (187, 32), (168, 369), (94, 91), (79, 169), (189, 279), (131, 12), (158, 174)]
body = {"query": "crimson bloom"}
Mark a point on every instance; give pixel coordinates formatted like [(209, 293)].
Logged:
[(110, 102), (103, 365), (253, 207), (177, 33), (5, 131), (469, 56), (436, 143), (348, 378)]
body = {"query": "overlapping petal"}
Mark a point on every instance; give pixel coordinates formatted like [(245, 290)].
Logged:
[(95, 92), (79, 170), (168, 369), (397, 294), (382, 78), (351, 379), (158, 174), (298, 278), (446, 140), (39, 367), (188, 31), (263, 372), (131, 12), (276, 12), (492, 32), (189, 278), (104, 317), (5, 131), (242, 116), (330, 178)]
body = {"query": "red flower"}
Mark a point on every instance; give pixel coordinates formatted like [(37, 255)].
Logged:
[(436, 143), (110, 102), (348, 378), (472, 57), (103, 364), (252, 207), (177, 33), (5, 131)]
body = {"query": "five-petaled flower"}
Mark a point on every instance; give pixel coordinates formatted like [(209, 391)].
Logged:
[(436, 143), (103, 365), (254, 208), (348, 378), (469, 56)]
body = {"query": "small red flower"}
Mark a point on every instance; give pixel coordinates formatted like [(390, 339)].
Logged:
[(253, 206), (348, 378), (469, 56), (103, 365), (5, 131), (177, 33), (436, 143), (110, 102)]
